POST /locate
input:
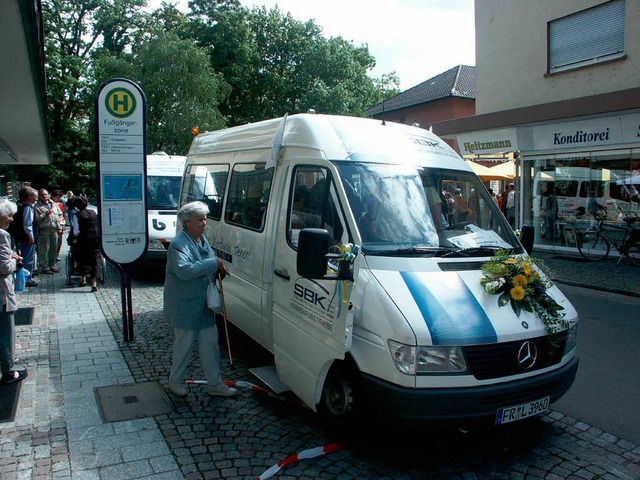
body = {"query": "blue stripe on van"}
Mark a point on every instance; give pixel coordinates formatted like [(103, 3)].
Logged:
[(451, 312)]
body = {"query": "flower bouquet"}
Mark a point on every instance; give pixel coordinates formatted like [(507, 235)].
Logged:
[(518, 281)]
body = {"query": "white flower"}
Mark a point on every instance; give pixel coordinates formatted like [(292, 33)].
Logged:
[(493, 286)]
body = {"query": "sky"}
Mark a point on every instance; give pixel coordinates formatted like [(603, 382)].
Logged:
[(418, 39)]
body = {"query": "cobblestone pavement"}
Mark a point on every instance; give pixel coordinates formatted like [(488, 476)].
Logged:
[(612, 275), (56, 433)]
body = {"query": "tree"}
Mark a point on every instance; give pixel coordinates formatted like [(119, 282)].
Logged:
[(276, 64), (73, 30), (221, 62), (181, 89)]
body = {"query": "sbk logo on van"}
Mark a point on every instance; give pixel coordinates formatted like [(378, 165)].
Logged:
[(311, 297)]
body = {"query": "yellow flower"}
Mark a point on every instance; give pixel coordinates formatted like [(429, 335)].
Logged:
[(526, 268), (517, 293), (520, 280), (511, 261)]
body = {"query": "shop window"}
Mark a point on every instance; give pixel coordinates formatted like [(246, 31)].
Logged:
[(206, 183), (596, 187), (566, 188), (587, 37), (248, 195)]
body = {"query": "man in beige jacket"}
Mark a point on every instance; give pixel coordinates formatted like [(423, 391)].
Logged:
[(49, 219)]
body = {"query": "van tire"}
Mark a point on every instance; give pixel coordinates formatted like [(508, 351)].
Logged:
[(342, 401)]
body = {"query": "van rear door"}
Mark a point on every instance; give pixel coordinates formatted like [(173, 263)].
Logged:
[(311, 322)]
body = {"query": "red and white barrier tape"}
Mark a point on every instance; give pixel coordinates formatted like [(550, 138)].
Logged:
[(303, 455), (252, 387)]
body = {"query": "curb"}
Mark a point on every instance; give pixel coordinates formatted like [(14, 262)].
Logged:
[(597, 287)]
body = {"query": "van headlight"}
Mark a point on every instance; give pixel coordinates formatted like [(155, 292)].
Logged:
[(572, 339), (423, 360)]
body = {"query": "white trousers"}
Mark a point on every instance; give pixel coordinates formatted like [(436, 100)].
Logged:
[(208, 349)]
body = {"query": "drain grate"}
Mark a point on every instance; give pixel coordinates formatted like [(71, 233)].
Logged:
[(134, 400)]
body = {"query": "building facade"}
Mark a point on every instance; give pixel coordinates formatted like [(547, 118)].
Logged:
[(558, 91), (451, 94)]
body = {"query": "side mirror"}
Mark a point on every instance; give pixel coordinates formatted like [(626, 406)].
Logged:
[(313, 247), (526, 238)]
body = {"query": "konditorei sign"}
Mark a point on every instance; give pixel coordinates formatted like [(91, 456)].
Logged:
[(620, 129), (122, 170)]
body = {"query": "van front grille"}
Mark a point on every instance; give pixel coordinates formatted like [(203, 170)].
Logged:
[(501, 359)]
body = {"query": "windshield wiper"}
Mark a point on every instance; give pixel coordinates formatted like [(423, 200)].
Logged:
[(433, 251), (480, 251)]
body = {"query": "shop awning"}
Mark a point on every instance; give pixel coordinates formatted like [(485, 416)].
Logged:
[(507, 169), (486, 173), (24, 138)]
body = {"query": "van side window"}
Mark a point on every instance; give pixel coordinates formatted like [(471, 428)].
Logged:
[(248, 195), (162, 192), (313, 204), (206, 183)]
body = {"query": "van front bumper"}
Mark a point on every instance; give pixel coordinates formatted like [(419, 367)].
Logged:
[(410, 407)]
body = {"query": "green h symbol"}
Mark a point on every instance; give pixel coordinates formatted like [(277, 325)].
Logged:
[(121, 100)]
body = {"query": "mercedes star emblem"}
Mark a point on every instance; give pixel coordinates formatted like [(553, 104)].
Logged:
[(527, 355)]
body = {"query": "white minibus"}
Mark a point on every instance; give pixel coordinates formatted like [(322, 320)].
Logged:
[(349, 268), (164, 178)]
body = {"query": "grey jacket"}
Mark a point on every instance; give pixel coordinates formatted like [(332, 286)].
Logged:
[(7, 267), (189, 266)]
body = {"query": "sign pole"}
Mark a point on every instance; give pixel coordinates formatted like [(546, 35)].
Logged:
[(121, 139)]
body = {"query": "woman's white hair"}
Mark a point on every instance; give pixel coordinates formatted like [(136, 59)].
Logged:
[(190, 210), (7, 208)]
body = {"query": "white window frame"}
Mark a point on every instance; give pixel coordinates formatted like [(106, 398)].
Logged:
[(588, 37)]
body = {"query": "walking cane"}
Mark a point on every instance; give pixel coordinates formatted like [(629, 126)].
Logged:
[(226, 328)]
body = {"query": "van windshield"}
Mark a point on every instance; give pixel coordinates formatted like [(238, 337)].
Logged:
[(163, 192), (405, 210)]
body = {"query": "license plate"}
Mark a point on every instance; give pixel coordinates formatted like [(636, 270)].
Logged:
[(519, 412)]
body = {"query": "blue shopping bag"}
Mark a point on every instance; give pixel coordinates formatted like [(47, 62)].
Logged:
[(22, 277)]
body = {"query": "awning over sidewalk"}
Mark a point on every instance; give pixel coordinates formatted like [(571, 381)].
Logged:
[(24, 137), (486, 173)]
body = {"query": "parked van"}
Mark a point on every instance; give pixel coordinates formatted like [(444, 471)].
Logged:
[(164, 178), (347, 265)]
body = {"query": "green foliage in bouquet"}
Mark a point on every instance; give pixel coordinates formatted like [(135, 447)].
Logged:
[(523, 282)]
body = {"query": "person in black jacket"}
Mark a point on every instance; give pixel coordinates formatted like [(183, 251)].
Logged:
[(87, 247)]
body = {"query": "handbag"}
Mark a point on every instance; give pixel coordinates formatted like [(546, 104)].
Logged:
[(214, 300), (21, 278)]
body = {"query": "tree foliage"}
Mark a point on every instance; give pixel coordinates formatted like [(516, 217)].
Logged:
[(219, 64), (181, 89), (277, 64)]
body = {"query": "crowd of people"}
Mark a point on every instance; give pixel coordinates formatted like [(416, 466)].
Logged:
[(31, 236), (37, 231), (33, 229)]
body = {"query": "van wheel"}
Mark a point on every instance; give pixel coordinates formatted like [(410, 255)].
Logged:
[(341, 401)]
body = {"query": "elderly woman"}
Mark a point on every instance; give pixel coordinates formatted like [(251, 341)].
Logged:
[(191, 262), (9, 305)]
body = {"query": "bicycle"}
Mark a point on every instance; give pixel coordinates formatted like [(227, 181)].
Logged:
[(594, 244)]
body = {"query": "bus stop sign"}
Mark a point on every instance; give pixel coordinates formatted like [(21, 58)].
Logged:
[(122, 170)]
